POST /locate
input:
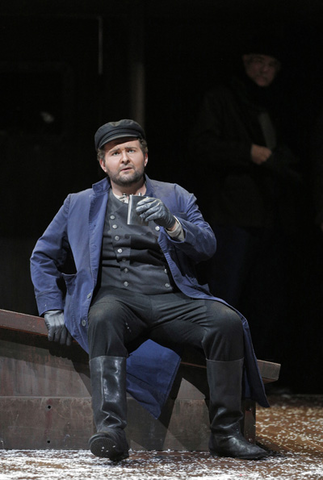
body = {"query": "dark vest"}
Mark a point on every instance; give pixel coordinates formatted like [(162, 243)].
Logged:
[(131, 256)]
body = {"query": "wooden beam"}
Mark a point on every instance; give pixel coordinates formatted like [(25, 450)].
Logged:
[(22, 322)]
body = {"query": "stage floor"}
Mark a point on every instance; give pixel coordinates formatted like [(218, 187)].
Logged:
[(292, 428)]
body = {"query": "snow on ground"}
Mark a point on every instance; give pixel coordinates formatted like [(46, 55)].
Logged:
[(82, 465)]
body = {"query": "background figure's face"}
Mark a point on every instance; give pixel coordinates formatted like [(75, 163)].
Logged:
[(262, 69), (124, 162)]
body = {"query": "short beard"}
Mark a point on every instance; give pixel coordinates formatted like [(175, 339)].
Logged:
[(126, 182)]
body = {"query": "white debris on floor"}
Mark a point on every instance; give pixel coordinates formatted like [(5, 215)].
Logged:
[(292, 428), (82, 465)]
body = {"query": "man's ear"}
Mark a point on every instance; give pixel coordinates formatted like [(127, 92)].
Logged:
[(102, 165), (146, 160)]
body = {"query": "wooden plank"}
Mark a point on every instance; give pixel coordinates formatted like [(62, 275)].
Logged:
[(22, 322), (269, 371), (45, 422)]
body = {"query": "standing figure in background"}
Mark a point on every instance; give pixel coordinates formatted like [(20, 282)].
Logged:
[(252, 185)]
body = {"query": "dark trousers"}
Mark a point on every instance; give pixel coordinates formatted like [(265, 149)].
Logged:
[(120, 320)]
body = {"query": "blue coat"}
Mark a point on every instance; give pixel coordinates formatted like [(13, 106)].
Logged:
[(77, 228)]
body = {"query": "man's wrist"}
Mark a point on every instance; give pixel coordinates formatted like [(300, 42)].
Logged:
[(177, 230), (175, 225)]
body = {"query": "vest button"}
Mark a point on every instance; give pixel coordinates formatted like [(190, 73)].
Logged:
[(117, 237), (119, 250), (157, 228), (126, 270), (114, 226), (112, 217), (126, 284), (167, 285)]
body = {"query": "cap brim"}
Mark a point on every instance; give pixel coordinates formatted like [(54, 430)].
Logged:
[(110, 138)]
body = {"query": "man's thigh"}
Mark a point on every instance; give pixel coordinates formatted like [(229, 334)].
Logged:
[(117, 322), (180, 320), (206, 325), (172, 319)]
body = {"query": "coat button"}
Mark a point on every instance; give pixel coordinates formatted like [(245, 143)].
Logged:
[(83, 323), (157, 228), (89, 295)]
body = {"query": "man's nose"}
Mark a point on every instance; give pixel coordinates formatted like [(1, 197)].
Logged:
[(264, 67), (124, 156)]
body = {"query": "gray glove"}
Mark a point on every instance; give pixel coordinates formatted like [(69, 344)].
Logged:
[(154, 209), (57, 331)]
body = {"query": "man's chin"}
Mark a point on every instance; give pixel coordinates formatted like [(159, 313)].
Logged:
[(126, 180), (262, 82)]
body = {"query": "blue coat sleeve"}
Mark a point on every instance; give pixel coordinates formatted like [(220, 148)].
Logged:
[(47, 260)]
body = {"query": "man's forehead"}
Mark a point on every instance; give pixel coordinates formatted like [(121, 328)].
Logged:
[(119, 142), (263, 56)]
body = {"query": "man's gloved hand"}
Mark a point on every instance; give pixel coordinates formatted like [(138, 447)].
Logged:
[(57, 332), (154, 209)]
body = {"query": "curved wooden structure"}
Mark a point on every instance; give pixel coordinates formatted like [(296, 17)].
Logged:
[(45, 396)]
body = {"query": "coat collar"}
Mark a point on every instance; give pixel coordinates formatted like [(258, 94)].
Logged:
[(101, 187)]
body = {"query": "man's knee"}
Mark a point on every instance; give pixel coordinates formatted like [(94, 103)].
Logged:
[(106, 316), (106, 329), (224, 339), (225, 319), (231, 323)]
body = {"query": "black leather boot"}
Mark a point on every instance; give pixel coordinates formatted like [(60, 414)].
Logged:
[(225, 384), (109, 403)]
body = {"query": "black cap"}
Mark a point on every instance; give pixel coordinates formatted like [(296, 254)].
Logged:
[(112, 130), (262, 44)]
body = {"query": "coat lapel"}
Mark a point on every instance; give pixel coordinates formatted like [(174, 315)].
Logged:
[(98, 205)]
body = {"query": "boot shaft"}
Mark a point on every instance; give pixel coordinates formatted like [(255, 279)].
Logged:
[(109, 399), (225, 385)]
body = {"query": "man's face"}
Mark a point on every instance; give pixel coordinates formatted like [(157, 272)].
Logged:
[(124, 162), (262, 69)]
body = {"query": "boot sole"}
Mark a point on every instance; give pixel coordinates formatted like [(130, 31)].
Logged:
[(105, 447), (242, 457), (236, 447)]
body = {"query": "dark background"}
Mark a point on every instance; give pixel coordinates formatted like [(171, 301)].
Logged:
[(66, 67)]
